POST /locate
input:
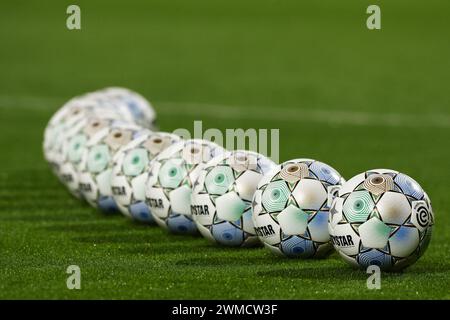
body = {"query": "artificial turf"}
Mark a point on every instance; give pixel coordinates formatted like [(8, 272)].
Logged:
[(353, 98)]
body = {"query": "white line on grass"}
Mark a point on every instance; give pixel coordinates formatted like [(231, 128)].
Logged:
[(277, 114)]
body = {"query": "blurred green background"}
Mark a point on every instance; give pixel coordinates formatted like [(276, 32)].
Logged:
[(351, 97)]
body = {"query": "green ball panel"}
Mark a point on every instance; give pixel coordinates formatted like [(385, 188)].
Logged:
[(98, 158), (135, 162)]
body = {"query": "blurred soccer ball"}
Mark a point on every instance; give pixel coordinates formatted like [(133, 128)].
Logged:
[(381, 217), (290, 208), (132, 106), (222, 197), (131, 169), (73, 145), (110, 103), (96, 161), (170, 182), (66, 117)]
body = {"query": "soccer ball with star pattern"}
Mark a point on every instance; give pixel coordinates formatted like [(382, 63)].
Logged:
[(290, 208), (109, 103), (94, 173), (222, 197), (171, 177), (381, 217), (130, 172)]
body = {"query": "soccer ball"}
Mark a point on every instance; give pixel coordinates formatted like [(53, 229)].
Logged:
[(290, 208), (110, 103), (222, 197), (56, 129), (130, 172), (94, 174), (381, 217), (131, 105), (73, 145), (169, 185)]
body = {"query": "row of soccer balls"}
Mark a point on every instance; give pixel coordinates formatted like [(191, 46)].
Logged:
[(300, 208)]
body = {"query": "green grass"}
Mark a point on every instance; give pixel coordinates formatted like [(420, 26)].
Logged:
[(353, 98)]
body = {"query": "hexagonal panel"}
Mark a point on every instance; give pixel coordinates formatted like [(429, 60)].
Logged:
[(171, 173), (135, 161), (98, 158), (293, 220), (118, 137), (394, 208), (409, 186), (324, 172), (218, 180), (246, 184), (76, 147), (374, 233), (358, 206), (404, 241), (227, 234), (157, 142), (293, 172), (194, 152), (310, 194), (374, 257), (230, 207), (243, 160), (298, 247), (181, 224), (275, 196), (107, 204), (318, 227), (140, 211)]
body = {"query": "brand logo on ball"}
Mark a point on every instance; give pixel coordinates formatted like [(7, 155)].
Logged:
[(343, 241), (421, 212), (265, 231), (200, 210)]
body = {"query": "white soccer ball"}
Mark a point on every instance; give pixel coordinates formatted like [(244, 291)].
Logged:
[(222, 197), (170, 182), (131, 169), (381, 217), (55, 132), (131, 105), (290, 208), (73, 145), (94, 174), (110, 103)]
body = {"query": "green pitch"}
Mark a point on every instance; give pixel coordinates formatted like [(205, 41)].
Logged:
[(353, 98)]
